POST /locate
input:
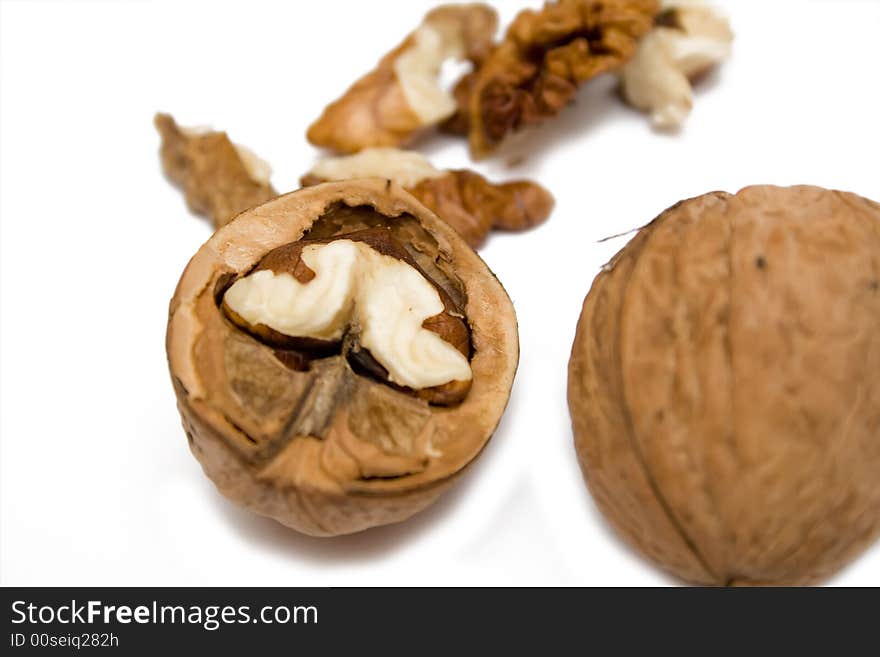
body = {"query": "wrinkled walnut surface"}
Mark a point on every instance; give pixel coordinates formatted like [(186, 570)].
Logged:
[(331, 450), (218, 178), (724, 386), (464, 199), (545, 56), (401, 97)]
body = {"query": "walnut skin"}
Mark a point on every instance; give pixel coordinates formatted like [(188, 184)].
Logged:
[(315, 440), (219, 178), (462, 198), (474, 206), (545, 55), (724, 386), (401, 97)]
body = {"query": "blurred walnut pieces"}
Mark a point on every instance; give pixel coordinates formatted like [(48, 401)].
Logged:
[(474, 206), (402, 95), (462, 198), (544, 57), (656, 47), (219, 179), (689, 38)]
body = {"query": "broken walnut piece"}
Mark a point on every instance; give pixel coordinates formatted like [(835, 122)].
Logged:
[(545, 56), (326, 446), (402, 96), (690, 37), (363, 289), (462, 198), (219, 179)]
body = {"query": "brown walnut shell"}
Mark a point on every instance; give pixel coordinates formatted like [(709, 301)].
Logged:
[(724, 386), (330, 450)]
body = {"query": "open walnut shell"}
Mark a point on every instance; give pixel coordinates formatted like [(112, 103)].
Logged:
[(462, 198), (545, 56), (311, 434), (402, 96), (724, 386)]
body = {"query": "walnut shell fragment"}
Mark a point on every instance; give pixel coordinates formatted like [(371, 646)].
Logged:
[(402, 96), (317, 436), (462, 198), (724, 386), (690, 38), (219, 178), (545, 56)]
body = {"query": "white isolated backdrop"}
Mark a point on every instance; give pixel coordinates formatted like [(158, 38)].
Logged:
[(98, 486)]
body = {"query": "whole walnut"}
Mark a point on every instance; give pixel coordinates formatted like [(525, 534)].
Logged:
[(724, 386)]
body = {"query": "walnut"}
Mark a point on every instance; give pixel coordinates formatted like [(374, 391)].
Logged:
[(690, 38), (402, 96), (219, 179), (464, 199), (724, 386), (545, 55), (339, 356)]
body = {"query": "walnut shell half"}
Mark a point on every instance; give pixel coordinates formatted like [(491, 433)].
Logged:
[(320, 441), (724, 386)]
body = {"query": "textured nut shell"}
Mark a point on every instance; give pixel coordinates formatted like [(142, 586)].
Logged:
[(724, 386), (289, 483)]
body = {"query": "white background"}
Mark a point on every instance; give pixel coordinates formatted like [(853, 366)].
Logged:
[(98, 486)]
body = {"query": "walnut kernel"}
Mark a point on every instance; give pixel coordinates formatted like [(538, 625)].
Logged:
[(219, 178), (463, 198), (402, 96), (690, 38)]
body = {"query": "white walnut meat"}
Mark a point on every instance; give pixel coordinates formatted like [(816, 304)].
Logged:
[(403, 96), (365, 288), (219, 178), (464, 199), (307, 425), (724, 386), (690, 37)]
